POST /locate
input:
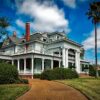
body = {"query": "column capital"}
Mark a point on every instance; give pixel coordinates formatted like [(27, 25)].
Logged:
[(64, 48)]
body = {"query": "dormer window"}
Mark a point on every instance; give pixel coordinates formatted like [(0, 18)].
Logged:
[(57, 37), (23, 41), (44, 40)]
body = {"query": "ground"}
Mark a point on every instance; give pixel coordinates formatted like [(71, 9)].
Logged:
[(12, 91), (50, 90), (89, 86)]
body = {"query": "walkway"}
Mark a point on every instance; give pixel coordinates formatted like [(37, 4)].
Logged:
[(49, 90)]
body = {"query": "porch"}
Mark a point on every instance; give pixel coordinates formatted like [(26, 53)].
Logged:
[(34, 64)]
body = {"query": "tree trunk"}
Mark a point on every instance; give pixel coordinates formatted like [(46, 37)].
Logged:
[(96, 60)]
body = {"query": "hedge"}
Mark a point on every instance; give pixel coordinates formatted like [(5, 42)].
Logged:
[(36, 75), (9, 74), (59, 73), (92, 71)]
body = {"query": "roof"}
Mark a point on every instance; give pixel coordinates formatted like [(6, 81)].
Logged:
[(67, 40), (36, 37), (10, 41), (59, 33)]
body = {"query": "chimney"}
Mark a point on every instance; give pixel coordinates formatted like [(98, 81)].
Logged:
[(27, 31), (14, 34)]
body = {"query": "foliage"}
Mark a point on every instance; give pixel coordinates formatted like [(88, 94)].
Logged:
[(72, 67), (8, 73), (21, 81), (59, 73), (88, 86), (36, 75), (94, 12), (4, 23), (92, 70), (24, 81), (12, 92)]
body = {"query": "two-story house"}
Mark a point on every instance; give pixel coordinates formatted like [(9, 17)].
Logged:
[(41, 51)]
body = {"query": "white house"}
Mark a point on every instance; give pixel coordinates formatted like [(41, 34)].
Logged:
[(41, 51)]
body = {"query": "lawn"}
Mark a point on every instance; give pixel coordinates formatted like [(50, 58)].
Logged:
[(88, 86), (11, 92)]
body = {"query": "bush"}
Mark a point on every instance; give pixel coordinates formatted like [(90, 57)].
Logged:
[(92, 70), (48, 74), (59, 73), (24, 81), (72, 67), (8, 73), (36, 75)]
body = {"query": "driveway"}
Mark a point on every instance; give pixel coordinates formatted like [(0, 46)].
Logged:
[(49, 90)]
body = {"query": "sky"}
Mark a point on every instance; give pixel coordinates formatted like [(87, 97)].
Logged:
[(53, 15)]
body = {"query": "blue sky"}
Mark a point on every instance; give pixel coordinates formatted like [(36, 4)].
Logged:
[(53, 15)]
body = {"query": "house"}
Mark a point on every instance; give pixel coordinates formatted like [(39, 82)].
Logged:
[(41, 51)]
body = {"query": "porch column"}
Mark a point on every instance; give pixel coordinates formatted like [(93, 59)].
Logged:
[(77, 61), (42, 65), (24, 65), (32, 63), (66, 61), (51, 64), (63, 57), (18, 65), (12, 62), (59, 64)]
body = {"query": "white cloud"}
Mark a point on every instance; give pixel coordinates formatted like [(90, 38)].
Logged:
[(89, 43), (46, 17), (70, 3), (11, 29), (20, 23)]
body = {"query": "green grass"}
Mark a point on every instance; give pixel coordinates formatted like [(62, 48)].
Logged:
[(88, 86), (11, 92)]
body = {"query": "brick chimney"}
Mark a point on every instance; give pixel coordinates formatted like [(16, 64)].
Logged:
[(14, 34), (27, 31)]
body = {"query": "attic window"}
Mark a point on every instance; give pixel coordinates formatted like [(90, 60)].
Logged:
[(44, 40), (56, 52), (23, 41), (58, 37)]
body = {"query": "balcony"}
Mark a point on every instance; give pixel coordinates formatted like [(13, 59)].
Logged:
[(57, 55)]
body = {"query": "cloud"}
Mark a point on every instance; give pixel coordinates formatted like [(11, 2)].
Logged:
[(45, 17), (89, 43), (70, 3), (20, 23), (11, 29)]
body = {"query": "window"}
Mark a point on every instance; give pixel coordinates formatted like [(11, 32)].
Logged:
[(58, 37), (44, 40), (56, 52)]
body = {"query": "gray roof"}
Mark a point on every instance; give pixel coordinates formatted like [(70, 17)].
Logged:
[(36, 37)]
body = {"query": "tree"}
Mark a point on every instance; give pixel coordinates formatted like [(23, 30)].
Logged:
[(4, 23), (94, 14)]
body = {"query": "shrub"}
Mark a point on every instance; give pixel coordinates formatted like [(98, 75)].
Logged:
[(92, 70), (99, 72), (48, 74), (37, 75), (59, 73), (24, 81), (72, 67), (8, 73)]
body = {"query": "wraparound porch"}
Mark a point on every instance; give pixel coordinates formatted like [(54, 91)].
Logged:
[(32, 64)]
